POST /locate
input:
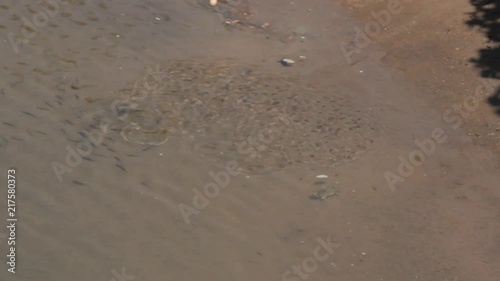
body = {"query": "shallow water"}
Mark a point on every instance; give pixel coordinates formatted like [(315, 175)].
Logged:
[(234, 111), (87, 212)]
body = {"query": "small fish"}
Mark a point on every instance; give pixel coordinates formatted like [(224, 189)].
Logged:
[(110, 139), (68, 61), (42, 108), (91, 100), (110, 149), (79, 183), (121, 167), (50, 105), (3, 142), (29, 113), (148, 148), (83, 135)]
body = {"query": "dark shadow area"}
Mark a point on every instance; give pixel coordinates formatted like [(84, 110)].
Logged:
[(487, 17)]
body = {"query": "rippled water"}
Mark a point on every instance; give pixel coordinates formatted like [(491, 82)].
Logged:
[(233, 111)]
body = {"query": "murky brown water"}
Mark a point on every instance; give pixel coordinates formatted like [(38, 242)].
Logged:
[(117, 115)]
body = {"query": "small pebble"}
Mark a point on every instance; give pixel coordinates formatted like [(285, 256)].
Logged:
[(286, 62), (322, 176)]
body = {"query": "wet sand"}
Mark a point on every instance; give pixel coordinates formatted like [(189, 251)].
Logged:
[(127, 207)]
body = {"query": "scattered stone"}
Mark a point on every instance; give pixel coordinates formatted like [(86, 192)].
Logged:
[(324, 193), (286, 62)]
